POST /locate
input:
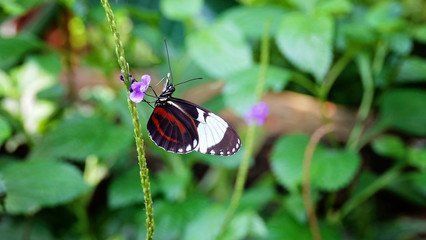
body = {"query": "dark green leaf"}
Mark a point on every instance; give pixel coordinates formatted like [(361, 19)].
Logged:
[(32, 185), (171, 218), (13, 48), (220, 50), (78, 137), (283, 226), (252, 27), (404, 110), (307, 42), (12, 230), (125, 189), (412, 69), (389, 146), (180, 9), (240, 87)]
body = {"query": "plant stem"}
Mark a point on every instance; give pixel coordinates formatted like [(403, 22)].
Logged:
[(250, 137), (306, 186), (370, 190), (363, 63), (137, 126)]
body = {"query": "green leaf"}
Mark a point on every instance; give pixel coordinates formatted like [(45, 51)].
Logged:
[(335, 7), (78, 137), (385, 16), (14, 48), (242, 17), (294, 205), (220, 49), (258, 196), (18, 7), (246, 225), (12, 229), (171, 218), (400, 43), (174, 184), (389, 146), (417, 157), (240, 87), (181, 9), (307, 42), (330, 170), (419, 33), (32, 185), (5, 130), (333, 169), (206, 225), (282, 226), (412, 70), (404, 110), (125, 189), (287, 159)]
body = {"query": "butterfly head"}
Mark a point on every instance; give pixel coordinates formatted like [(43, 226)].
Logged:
[(168, 90)]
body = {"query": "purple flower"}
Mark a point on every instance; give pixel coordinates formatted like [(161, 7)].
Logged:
[(138, 89), (258, 113)]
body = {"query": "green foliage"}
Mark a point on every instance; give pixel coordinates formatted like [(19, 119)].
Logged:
[(220, 49), (403, 109), (330, 170), (307, 42), (68, 162), (32, 185), (78, 137)]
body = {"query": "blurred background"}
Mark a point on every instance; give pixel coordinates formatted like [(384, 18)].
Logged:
[(68, 162)]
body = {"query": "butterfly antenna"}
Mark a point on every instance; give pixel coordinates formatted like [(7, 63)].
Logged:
[(189, 80), (168, 60)]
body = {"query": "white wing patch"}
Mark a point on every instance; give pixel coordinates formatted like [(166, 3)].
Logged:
[(211, 130)]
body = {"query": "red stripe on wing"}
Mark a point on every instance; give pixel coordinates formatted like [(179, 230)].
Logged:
[(157, 124), (163, 113)]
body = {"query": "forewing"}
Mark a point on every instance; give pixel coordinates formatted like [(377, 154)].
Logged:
[(172, 129), (215, 135)]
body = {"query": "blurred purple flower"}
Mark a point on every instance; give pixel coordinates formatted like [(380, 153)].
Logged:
[(258, 113), (138, 89)]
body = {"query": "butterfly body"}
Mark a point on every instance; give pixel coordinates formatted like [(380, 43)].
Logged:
[(180, 126)]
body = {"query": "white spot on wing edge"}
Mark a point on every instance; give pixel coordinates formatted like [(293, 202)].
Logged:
[(212, 152), (180, 150), (188, 148)]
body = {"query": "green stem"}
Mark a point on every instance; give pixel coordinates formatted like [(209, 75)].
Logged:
[(363, 63), (137, 126), (250, 137), (370, 190), (304, 82), (334, 73)]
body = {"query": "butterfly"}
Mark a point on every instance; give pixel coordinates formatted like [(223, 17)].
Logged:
[(180, 126)]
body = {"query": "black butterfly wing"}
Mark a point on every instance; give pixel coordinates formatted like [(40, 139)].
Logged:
[(172, 129), (215, 135)]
